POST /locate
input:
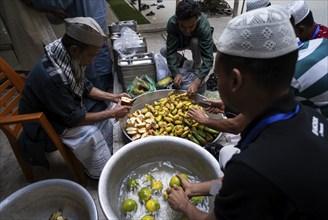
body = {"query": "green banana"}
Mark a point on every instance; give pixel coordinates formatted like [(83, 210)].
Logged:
[(193, 139), (210, 130), (201, 140), (201, 133), (208, 136)]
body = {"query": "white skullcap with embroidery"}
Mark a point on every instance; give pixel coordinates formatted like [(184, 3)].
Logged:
[(91, 33), (260, 33), (298, 9), (254, 4)]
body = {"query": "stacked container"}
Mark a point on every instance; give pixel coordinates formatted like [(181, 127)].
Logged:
[(137, 65), (140, 63)]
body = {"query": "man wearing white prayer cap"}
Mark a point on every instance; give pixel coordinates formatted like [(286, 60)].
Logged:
[(254, 4), (281, 170), (305, 26), (57, 87)]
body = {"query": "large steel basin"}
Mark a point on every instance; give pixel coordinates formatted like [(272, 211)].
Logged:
[(149, 98), (39, 200), (148, 150)]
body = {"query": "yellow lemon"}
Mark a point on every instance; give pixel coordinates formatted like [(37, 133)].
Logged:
[(165, 195), (196, 199), (152, 205), (147, 217), (175, 181), (185, 176), (129, 205), (132, 183), (144, 194), (156, 185)]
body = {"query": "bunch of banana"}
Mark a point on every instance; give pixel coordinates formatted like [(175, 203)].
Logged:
[(168, 116), (140, 87), (57, 216), (163, 83)]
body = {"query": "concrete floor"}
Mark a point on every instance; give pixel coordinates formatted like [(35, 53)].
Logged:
[(11, 176)]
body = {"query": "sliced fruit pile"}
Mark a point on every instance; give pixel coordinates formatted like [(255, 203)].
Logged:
[(168, 116)]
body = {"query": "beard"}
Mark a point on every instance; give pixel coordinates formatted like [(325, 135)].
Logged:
[(77, 69)]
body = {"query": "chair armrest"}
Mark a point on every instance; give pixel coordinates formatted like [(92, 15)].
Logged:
[(38, 117), (18, 119)]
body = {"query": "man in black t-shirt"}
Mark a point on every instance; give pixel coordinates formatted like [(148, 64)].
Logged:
[(281, 171)]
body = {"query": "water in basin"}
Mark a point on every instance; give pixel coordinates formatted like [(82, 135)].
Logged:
[(163, 171)]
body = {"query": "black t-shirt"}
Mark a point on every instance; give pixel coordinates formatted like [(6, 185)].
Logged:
[(282, 173)]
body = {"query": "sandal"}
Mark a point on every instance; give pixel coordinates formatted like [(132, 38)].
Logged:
[(151, 13)]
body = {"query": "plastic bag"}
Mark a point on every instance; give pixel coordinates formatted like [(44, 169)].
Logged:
[(162, 70), (128, 43), (188, 76), (141, 85)]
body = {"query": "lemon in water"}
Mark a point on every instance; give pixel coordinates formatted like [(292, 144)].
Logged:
[(175, 181), (144, 194), (185, 176), (152, 205), (132, 183), (196, 199), (129, 205), (165, 195), (156, 185), (147, 217), (148, 178)]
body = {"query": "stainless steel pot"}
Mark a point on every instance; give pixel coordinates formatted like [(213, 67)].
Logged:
[(39, 200), (149, 98), (148, 150)]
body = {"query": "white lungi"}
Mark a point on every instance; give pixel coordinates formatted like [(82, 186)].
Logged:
[(91, 144)]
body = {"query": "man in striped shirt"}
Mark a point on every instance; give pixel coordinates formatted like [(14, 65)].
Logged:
[(310, 80)]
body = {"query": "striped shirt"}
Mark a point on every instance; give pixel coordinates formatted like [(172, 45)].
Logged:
[(310, 80)]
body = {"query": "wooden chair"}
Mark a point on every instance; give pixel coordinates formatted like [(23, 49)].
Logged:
[(11, 123)]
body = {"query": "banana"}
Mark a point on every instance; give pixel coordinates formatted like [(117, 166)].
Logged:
[(55, 215), (168, 116)]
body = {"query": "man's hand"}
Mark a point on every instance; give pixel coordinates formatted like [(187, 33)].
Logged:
[(193, 87), (216, 107), (117, 97), (177, 199), (186, 185), (177, 80), (120, 111), (198, 115)]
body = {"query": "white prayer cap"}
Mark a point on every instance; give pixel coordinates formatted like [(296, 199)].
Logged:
[(260, 33), (254, 4), (94, 36), (298, 9)]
